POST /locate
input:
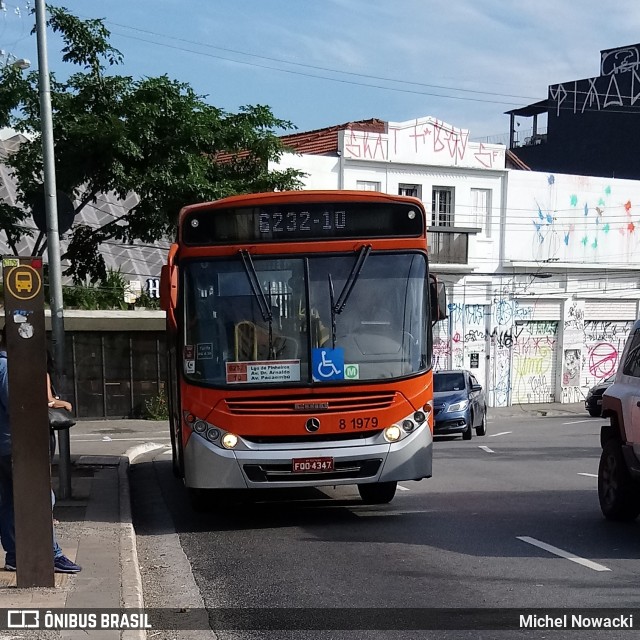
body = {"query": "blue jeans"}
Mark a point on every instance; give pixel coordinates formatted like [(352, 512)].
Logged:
[(7, 518)]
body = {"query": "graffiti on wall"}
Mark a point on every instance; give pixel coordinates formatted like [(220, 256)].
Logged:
[(533, 360), (572, 354), (620, 60), (423, 140), (595, 94), (501, 335), (519, 359), (571, 366), (572, 394), (366, 145), (575, 224), (469, 337), (604, 341)]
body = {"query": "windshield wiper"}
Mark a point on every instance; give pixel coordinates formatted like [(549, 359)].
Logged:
[(261, 299), (337, 307)]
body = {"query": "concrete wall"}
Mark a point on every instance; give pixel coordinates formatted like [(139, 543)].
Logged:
[(577, 219)]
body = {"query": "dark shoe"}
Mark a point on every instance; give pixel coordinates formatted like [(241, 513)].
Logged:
[(9, 566), (62, 564)]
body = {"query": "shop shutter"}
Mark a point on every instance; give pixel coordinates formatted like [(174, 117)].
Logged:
[(610, 309), (534, 358)]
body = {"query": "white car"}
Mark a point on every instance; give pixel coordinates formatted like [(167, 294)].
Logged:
[(619, 469)]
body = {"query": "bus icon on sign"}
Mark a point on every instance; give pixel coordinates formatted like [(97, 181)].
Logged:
[(24, 281)]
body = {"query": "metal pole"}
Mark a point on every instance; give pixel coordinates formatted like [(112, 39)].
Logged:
[(53, 237)]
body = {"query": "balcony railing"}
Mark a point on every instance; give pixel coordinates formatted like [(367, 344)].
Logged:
[(521, 138), (448, 245)]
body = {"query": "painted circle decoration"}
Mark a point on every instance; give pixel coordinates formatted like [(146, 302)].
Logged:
[(23, 282), (603, 359)]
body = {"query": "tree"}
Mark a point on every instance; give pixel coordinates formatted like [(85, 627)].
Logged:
[(154, 137)]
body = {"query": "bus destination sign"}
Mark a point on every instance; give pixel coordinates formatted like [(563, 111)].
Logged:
[(308, 221)]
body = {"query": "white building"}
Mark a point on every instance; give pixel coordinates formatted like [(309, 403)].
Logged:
[(541, 269)]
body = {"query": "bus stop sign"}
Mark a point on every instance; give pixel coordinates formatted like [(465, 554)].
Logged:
[(28, 415)]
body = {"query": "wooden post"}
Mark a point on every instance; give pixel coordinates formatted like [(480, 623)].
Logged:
[(27, 368)]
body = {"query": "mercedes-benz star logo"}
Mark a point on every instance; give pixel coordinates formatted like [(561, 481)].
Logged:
[(312, 425)]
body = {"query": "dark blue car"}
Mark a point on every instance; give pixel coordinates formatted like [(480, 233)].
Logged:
[(459, 404)]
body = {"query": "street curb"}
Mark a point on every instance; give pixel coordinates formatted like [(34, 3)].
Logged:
[(132, 593), (538, 413)]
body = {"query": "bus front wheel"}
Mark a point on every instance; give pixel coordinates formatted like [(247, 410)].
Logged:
[(377, 492)]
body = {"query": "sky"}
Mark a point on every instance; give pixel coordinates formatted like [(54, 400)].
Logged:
[(319, 63)]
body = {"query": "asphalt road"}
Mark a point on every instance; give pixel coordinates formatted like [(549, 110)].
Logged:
[(510, 520)]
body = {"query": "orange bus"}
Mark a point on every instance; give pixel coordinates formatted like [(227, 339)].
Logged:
[(299, 343)]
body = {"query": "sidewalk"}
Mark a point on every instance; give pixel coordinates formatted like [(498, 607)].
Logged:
[(549, 409), (95, 530)]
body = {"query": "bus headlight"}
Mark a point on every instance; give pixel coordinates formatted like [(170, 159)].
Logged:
[(229, 440), (213, 434), (393, 433)]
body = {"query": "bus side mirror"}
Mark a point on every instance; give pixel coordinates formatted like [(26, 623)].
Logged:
[(169, 293), (438, 299)]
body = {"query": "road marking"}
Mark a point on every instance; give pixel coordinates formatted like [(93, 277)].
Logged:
[(589, 475), (485, 448), (564, 554), (167, 453), (403, 488), (577, 421), (502, 433)]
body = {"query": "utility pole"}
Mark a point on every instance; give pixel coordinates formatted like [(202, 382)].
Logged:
[(53, 236)]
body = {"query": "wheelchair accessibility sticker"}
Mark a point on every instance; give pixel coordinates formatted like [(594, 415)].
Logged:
[(327, 364)]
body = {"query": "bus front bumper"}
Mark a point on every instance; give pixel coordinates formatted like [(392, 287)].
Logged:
[(210, 467)]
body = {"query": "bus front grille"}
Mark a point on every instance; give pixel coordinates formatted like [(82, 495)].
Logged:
[(282, 472), (310, 404), (312, 437)]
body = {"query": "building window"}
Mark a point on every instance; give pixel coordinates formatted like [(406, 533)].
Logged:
[(367, 185), (442, 206), (481, 210), (414, 190)]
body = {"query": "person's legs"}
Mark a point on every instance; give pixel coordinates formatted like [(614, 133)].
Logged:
[(61, 564), (7, 521), (57, 551)]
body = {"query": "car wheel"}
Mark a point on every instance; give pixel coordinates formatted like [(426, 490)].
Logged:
[(618, 493), (595, 413), (467, 434), (377, 492), (482, 429)]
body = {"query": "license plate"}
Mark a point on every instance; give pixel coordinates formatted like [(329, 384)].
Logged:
[(311, 465)]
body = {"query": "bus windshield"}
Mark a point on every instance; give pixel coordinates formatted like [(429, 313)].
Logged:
[(291, 330)]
